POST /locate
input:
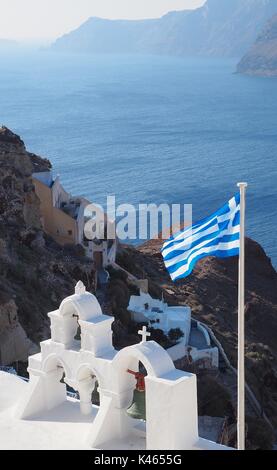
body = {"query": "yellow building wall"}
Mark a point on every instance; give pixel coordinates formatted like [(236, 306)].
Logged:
[(55, 222), (65, 228)]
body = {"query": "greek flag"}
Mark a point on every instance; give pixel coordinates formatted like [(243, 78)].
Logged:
[(217, 235)]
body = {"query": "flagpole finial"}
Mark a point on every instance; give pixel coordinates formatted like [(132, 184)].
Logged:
[(242, 185)]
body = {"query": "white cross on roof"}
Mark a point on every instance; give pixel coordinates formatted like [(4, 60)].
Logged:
[(144, 333), (80, 288)]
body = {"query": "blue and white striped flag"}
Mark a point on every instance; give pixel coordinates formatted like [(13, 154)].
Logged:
[(217, 235)]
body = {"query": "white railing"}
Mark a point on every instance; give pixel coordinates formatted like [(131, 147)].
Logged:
[(203, 330)]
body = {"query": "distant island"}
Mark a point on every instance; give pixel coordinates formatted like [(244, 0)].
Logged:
[(261, 59), (220, 28)]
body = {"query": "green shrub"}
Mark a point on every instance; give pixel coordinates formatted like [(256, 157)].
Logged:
[(160, 337), (175, 334)]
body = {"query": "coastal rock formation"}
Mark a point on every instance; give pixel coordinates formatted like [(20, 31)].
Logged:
[(220, 28), (18, 202), (14, 343), (35, 272), (261, 60)]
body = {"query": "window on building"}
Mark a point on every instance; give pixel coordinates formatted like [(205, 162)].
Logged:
[(69, 232)]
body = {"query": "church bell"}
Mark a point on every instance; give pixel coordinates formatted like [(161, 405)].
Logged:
[(137, 410)]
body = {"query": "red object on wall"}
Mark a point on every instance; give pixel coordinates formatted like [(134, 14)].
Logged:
[(140, 386)]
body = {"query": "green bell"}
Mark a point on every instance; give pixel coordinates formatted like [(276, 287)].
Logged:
[(95, 397), (137, 408)]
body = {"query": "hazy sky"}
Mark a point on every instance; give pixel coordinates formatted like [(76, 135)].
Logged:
[(47, 19)]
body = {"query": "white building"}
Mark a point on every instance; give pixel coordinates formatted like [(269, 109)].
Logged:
[(158, 314), (40, 415), (64, 218)]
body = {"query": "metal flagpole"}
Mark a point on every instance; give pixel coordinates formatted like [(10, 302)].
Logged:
[(241, 337)]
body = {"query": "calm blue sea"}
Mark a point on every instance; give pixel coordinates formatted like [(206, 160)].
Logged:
[(150, 129)]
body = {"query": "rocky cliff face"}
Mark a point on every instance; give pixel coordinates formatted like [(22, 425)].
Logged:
[(35, 273), (261, 59), (222, 28), (211, 292), (18, 202)]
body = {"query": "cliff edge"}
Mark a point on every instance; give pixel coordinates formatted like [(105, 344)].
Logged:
[(35, 272), (261, 59)]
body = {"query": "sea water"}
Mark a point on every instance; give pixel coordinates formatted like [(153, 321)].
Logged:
[(149, 129)]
